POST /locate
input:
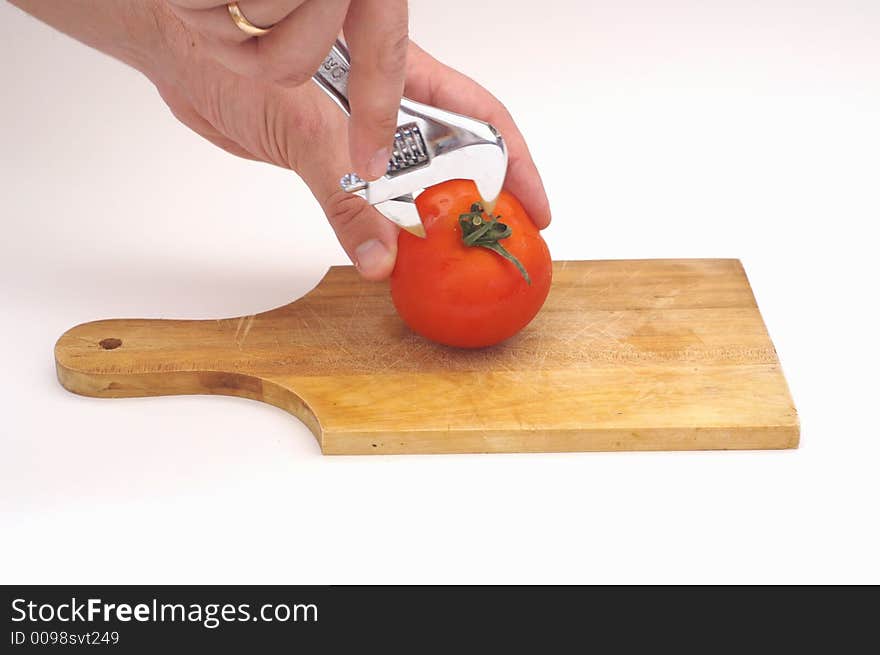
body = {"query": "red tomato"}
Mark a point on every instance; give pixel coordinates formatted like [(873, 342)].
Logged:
[(468, 296)]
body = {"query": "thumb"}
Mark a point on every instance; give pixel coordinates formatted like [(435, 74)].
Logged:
[(291, 128), (368, 238)]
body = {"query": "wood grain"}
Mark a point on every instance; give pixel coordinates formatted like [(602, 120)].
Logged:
[(625, 355)]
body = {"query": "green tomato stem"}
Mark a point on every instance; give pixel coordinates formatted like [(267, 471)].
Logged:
[(485, 231)]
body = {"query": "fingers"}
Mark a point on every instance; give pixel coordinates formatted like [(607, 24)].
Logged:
[(301, 36), (377, 35), (272, 123), (291, 128), (196, 4), (211, 18), (368, 238), (266, 13), (434, 83), (294, 49)]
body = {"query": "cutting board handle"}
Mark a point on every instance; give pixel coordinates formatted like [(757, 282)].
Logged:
[(126, 358)]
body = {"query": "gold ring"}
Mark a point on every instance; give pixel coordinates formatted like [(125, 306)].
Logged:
[(242, 23)]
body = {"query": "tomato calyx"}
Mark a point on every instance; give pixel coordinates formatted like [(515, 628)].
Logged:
[(479, 229)]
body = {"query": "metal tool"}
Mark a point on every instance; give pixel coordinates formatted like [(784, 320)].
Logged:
[(431, 145)]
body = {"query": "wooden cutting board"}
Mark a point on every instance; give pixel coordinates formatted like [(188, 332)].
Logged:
[(625, 355)]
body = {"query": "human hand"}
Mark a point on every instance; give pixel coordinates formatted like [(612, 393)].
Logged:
[(301, 129), (301, 36), (294, 127)]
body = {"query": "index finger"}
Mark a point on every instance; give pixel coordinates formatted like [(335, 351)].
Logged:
[(377, 33)]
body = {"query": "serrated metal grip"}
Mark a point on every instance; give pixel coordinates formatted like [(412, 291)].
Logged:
[(430, 145), (409, 149)]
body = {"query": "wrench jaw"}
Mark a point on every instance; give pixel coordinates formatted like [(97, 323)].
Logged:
[(484, 162), (401, 210), (431, 145), (490, 180)]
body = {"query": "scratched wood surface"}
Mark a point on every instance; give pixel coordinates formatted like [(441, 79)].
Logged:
[(625, 355)]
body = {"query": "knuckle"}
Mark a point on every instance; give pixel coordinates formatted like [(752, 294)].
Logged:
[(283, 132), (344, 210), (391, 52), (286, 130), (385, 122)]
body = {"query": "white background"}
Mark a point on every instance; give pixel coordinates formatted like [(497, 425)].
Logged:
[(697, 128)]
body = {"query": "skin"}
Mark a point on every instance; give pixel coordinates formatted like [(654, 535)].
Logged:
[(302, 33), (289, 123)]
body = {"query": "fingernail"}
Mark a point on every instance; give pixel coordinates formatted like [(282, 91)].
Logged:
[(378, 164), (370, 256)]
